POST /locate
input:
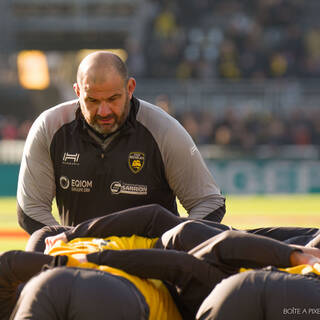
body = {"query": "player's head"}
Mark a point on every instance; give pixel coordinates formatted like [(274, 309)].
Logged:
[(104, 90)]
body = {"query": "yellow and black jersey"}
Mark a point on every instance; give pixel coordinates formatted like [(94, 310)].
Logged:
[(89, 245), (157, 296), (303, 269)]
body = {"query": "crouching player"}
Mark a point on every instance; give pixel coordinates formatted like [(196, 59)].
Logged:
[(267, 294), (81, 290), (211, 256)]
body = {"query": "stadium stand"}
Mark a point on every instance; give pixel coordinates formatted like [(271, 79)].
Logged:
[(235, 73)]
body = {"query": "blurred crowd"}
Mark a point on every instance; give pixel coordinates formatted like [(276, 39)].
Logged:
[(245, 130), (226, 39), (230, 39), (253, 128), (11, 128)]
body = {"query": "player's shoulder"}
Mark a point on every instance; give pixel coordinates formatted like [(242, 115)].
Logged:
[(59, 115), (65, 110), (152, 116), (165, 129), (50, 120)]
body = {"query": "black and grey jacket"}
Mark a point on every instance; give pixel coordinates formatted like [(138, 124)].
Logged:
[(151, 159)]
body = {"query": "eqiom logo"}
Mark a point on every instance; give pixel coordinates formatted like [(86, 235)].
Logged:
[(76, 185), (64, 182), (118, 187)]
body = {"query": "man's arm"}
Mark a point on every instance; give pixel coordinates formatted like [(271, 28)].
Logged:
[(237, 249), (36, 186), (190, 178), (208, 263), (17, 267), (175, 267), (147, 221), (28, 224), (214, 216), (193, 183), (185, 170)]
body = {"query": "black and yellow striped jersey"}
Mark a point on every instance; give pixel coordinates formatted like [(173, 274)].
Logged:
[(157, 296)]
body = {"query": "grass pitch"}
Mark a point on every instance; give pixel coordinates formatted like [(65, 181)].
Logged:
[(243, 212), (273, 210)]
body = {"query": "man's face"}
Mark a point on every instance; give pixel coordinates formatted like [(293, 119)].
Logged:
[(105, 104)]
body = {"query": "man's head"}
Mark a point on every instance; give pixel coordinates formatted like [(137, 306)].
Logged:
[(104, 90)]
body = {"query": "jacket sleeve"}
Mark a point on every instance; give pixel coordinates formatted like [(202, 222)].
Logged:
[(189, 177), (214, 216), (147, 221), (186, 172), (16, 268), (26, 223), (36, 185), (235, 249)]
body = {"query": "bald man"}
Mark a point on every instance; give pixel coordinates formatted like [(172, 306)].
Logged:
[(107, 151)]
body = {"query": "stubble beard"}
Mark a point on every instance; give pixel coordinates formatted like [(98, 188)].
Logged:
[(118, 120)]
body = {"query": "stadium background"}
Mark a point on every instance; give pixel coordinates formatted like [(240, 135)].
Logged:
[(241, 76)]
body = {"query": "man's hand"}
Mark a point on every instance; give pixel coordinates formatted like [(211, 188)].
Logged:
[(81, 257), (297, 258), (50, 241), (313, 251)]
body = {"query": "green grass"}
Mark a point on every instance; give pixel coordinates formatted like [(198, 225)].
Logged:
[(254, 211), (12, 244), (242, 212), (8, 213), (275, 205), (273, 210), (8, 222)]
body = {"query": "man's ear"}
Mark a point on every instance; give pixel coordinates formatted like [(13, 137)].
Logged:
[(76, 89), (131, 86)]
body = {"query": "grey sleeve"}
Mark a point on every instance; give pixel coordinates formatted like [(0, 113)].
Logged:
[(36, 185), (186, 171)]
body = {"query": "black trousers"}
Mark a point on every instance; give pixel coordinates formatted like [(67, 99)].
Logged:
[(189, 234), (186, 236), (82, 294), (263, 295), (36, 241)]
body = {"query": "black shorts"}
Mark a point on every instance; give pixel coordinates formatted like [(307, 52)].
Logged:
[(82, 294), (263, 295)]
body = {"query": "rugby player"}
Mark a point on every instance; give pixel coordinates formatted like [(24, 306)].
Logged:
[(95, 287), (225, 252)]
